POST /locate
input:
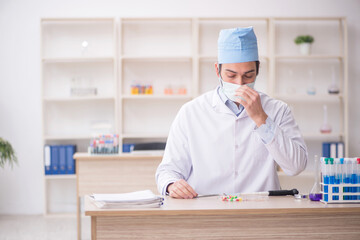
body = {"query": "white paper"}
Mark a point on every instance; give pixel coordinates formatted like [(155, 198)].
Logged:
[(139, 196)]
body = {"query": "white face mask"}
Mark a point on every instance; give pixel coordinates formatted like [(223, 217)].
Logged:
[(229, 89)]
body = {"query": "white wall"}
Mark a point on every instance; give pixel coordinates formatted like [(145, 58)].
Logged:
[(21, 189)]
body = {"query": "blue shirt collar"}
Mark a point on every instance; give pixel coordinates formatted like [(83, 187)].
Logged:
[(230, 104)]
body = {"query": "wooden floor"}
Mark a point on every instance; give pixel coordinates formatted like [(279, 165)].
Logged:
[(37, 227)]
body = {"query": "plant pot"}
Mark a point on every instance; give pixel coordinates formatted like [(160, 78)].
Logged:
[(305, 48)]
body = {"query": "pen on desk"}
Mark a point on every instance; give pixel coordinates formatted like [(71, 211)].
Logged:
[(291, 192), (207, 195)]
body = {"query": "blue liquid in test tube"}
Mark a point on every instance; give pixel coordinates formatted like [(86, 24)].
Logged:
[(325, 165), (358, 174), (347, 174), (332, 171), (354, 177), (326, 172), (340, 170)]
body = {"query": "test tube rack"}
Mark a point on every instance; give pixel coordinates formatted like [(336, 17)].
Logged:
[(340, 181), (340, 193)]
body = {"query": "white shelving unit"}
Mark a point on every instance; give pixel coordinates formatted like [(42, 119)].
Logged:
[(292, 74), (180, 53), (75, 53)]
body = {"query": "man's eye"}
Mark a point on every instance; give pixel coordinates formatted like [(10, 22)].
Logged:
[(247, 76), (232, 76)]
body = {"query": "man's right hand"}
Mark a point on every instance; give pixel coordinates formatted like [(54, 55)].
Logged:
[(181, 189)]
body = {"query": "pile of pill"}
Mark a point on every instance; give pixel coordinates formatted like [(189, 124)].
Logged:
[(230, 198)]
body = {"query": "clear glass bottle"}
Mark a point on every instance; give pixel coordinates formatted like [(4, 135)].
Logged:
[(326, 127), (311, 90), (315, 193), (333, 88)]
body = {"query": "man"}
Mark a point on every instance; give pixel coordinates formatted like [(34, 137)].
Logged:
[(230, 140)]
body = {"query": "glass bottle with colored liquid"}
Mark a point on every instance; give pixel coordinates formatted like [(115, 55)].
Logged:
[(315, 193)]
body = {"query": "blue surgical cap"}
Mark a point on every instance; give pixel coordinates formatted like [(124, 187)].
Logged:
[(237, 45)]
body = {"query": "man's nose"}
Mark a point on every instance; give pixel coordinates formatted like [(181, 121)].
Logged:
[(239, 81)]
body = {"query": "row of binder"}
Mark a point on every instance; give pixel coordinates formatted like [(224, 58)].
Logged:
[(59, 159), (333, 149)]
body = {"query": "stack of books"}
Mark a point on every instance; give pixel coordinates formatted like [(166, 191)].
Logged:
[(139, 199)]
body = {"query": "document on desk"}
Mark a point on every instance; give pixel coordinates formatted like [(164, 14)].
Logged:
[(139, 199)]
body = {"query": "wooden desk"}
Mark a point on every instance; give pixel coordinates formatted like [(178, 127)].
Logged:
[(113, 174), (211, 218)]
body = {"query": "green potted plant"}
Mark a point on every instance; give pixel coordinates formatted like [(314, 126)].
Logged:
[(304, 41), (7, 154)]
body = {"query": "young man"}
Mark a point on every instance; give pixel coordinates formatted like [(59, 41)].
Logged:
[(229, 140)]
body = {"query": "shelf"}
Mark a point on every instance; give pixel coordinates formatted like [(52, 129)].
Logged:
[(68, 137), (142, 135), (60, 215), (310, 57), (70, 99), (310, 98), (156, 97), (308, 18), (67, 20), (157, 58), (322, 136), (78, 60), (61, 176)]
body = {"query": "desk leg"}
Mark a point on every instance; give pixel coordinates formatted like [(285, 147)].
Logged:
[(93, 228), (78, 216)]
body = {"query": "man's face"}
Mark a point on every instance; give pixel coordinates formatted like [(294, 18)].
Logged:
[(237, 73)]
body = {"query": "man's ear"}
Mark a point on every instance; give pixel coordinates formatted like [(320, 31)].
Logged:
[(217, 69)]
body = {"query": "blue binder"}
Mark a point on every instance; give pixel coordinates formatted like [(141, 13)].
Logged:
[(70, 161), (62, 159), (47, 159), (54, 160)]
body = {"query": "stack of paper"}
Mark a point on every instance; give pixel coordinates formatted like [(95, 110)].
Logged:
[(140, 199)]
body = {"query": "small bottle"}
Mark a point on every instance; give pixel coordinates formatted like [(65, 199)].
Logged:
[(84, 47), (325, 128), (311, 90), (333, 88), (315, 193)]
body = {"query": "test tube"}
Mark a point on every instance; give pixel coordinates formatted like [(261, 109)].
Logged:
[(358, 174), (353, 177), (325, 165), (332, 171), (325, 171), (116, 143), (337, 170), (347, 176), (340, 170)]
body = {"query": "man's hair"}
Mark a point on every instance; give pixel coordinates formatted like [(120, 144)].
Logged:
[(257, 64)]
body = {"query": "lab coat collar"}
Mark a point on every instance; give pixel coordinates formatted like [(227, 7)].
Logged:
[(220, 107)]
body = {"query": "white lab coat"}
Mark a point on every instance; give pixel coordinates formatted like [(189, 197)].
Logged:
[(217, 152)]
